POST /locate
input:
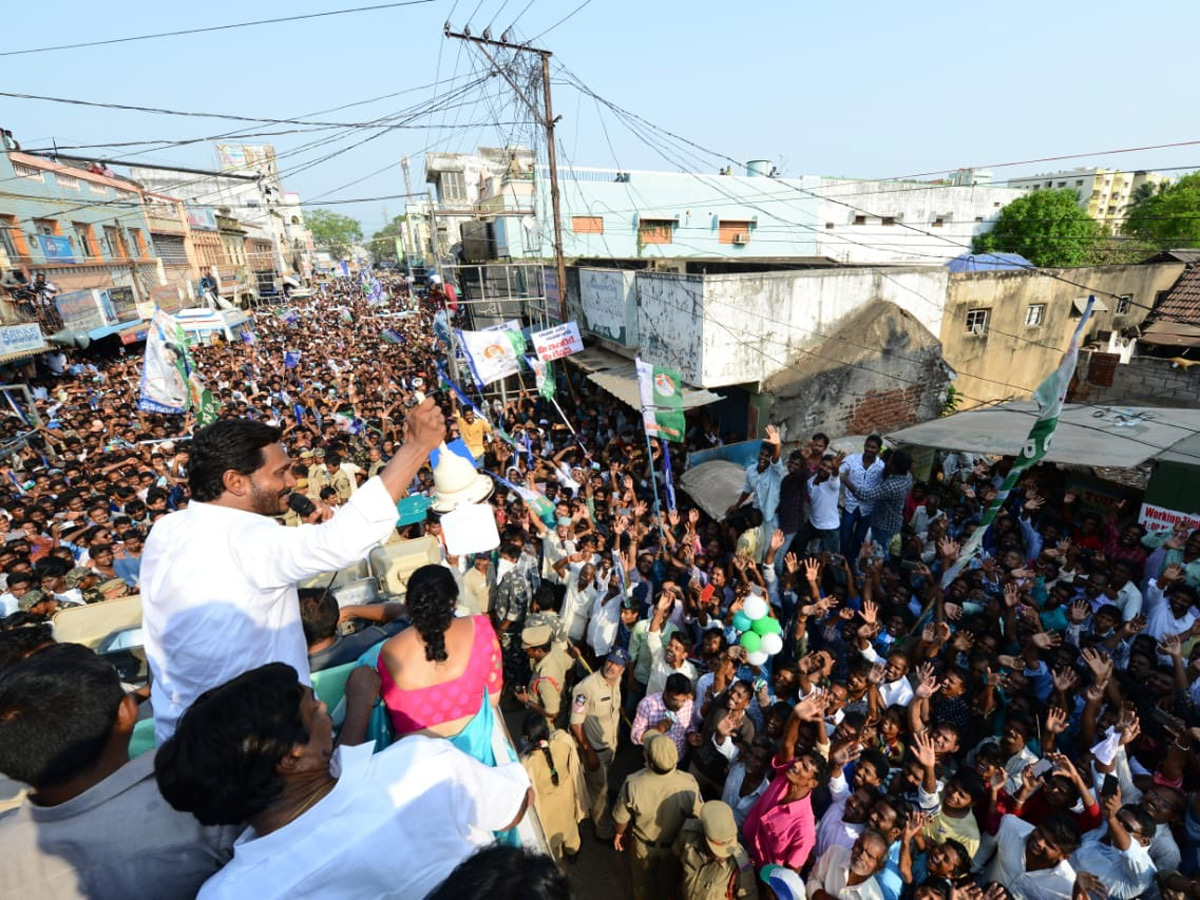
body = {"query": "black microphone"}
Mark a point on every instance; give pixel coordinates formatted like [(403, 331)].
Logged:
[(301, 505)]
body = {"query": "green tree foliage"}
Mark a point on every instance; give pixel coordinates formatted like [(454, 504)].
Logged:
[(1048, 228), (383, 242), (1170, 217), (334, 232)]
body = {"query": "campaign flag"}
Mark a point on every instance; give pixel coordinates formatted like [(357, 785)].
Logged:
[(345, 266), (542, 508), (542, 376), (668, 479), (164, 375), (391, 336), (1049, 396), (661, 392), (248, 337), (291, 359), (298, 412), (528, 451), (441, 326), (492, 355)]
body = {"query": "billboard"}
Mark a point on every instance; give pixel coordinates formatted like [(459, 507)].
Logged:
[(55, 248), (608, 308)]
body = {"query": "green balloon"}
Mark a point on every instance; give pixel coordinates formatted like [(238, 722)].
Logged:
[(763, 625), (751, 641)]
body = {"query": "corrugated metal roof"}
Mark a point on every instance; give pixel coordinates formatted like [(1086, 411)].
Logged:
[(1182, 304)]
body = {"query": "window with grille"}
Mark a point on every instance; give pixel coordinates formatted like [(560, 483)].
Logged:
[(1034, 314), (655, 231), (112, 243), (83, 239), (1124, 302), (977, 320), (453, 187)]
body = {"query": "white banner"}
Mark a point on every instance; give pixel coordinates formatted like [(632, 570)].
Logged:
[(164, 380), (557, 342), (1159, 518), (492, 354), (21, 339)]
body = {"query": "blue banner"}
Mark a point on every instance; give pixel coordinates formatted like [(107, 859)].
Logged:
[(56, 248), (291, 359)]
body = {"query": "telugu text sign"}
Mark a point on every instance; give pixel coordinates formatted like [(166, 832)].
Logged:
[(21, 339), (557, 342)]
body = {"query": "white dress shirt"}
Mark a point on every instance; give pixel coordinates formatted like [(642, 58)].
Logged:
[(823, 503), (863, 478), (219, 591), (421, 798), (831, 874), (1126, 873), (1008, 866), (732, 792), (659, 670)]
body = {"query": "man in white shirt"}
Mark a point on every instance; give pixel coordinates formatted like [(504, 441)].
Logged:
[(1120, 858), (848, 873), (846, 818), (824, 522), (864, 471), (326, 822), (1032, 861), (218, 579)]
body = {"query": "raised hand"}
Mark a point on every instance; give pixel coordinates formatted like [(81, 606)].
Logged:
[(776, 539), (1056, 720), (870, 612), (916, 824), (1171, 646), (812, 569), (1045, 640), (846, 753), (923, 751), (791, 563), (1129, 726), (1012, 594), (1065, 679), (1078, 612), (1172, 574), (948, 549), (875, 676), (772, 437)]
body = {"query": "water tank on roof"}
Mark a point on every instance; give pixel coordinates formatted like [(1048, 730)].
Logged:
[(759, 168)]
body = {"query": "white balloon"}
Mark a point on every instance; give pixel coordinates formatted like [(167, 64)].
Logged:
[(757, 658), (771, 644), (755, 607)]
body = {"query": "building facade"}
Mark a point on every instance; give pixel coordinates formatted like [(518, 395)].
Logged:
[(1003, 332), (1106, 194), (82, 229)]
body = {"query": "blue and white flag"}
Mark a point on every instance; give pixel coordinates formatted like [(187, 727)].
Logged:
[(668, 479), (291, 359)]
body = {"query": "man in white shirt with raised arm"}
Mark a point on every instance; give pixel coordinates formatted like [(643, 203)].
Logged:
[(219, 578)]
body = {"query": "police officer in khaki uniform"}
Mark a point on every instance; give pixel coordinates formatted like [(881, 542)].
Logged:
[(318, 475), (337, 477), (652, 806), (595, 715), (715, 866), (549, 664)]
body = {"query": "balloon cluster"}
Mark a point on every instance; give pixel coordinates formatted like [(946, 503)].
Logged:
[(762, 635)]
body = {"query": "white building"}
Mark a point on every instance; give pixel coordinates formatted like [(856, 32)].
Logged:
[(1106, 194)]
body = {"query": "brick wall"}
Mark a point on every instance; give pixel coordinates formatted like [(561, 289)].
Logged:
[(886, 410), (1144, 381)]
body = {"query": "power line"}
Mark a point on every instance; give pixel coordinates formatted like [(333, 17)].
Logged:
[(211, 28), (569, 15)]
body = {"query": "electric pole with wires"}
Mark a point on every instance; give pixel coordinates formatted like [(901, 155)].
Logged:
[(546, 118)]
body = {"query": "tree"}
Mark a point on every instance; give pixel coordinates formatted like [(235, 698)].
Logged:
[(334, 232), (1048, 228), (1169, 217), (383, 242)]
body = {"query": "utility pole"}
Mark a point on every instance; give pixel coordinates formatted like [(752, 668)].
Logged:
[(547, 120)]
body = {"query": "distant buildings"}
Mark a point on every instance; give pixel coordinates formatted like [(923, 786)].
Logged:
[(1106, 194)]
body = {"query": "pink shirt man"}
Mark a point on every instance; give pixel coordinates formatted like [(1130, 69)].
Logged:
[(780, 833)]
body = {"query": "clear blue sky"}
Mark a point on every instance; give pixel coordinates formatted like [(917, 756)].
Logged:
[(867, 89)]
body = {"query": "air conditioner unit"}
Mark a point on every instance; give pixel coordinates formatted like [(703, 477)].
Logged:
[(741, 237)]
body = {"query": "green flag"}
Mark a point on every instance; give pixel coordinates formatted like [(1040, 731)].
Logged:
[(1049, 396), (543, 376), (661, 392)]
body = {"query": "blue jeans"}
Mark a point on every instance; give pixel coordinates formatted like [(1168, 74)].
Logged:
[(854, 531)]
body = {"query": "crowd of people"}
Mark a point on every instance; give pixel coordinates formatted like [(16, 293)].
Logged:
[(1023, 725)]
